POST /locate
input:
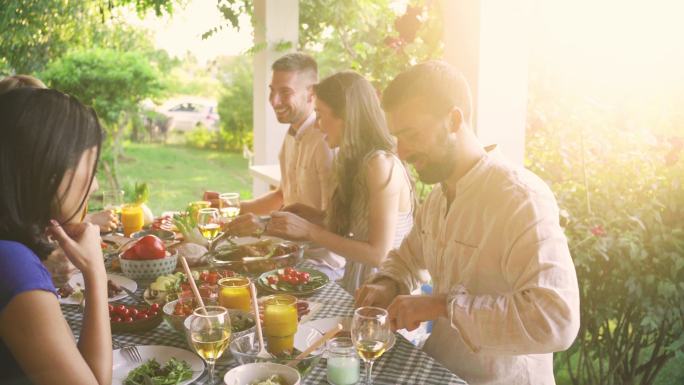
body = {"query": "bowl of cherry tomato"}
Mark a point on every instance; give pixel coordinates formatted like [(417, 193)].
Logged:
[(130, 318), (176, 311)]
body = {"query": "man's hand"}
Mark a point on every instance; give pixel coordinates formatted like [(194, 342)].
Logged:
[(380, 293), (245, 225), (408, 311)]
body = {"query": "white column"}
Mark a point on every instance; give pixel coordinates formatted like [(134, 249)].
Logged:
[(275, 22), (489, 41)]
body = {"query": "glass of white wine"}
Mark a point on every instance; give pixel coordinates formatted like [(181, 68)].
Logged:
[(371, 334), (208, 222), (229, 205), (210, 333)]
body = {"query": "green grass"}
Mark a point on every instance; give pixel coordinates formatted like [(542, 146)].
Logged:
[(178, 175)]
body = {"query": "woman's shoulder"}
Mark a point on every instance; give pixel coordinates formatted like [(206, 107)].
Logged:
[(20, 270), (11, 250)]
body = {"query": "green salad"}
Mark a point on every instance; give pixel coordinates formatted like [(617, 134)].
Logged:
[(173, 372), (273, 380)]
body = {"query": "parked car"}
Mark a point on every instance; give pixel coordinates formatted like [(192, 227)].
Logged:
[(187, 113)]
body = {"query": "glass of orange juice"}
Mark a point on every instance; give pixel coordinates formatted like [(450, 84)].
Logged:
[(132, 219), (234, 293), (280, 323)]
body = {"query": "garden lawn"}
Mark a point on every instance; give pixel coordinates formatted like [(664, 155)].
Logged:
[(178, 175)]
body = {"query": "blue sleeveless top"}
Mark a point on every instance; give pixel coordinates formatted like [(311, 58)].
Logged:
[(20, 271)]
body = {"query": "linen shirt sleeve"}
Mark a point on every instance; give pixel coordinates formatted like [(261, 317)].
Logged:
[(541, 312), (406, 265), (323, 157)]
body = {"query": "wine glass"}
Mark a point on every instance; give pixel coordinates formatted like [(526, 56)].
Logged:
[(208, 223), (210, 331), (113, 200), (229, 204), (371, 334)]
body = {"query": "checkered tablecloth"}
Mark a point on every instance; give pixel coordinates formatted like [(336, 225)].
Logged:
[(403, 364)]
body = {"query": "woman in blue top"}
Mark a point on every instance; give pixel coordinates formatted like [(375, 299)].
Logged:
[(49, 148)]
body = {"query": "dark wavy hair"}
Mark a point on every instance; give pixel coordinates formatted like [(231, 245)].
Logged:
[(43, 134), (353, 99)]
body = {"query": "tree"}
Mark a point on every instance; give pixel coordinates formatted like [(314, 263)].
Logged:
[(38, 31), (368, 36), (113, 83)]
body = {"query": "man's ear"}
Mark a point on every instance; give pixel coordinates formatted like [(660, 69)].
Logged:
[(310, 94), (456, 119)]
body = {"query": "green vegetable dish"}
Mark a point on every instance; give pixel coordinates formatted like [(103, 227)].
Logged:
[(273, 380), (173, 372), (293, 281)]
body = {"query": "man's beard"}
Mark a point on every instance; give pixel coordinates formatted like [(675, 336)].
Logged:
[(438, 170)]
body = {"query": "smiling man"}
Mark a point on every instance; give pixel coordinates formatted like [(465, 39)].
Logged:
[(505, 288), (305, 158)]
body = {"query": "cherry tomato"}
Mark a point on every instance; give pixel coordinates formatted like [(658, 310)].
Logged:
[(141, 316), (153, 313), (289, 271), (212, 278), (116, 319), (294, 280), (120, 308), (111, 308), (134, 312), (154, 307), (128, 319), (304, 276), (272, 280)]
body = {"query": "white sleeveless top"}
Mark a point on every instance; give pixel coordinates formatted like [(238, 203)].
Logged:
[(356, 273)]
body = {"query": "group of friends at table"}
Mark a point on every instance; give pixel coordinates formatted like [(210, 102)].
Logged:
[(505, 293)]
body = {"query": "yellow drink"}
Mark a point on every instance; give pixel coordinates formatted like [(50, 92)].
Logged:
[(230, 212), (132, 219), (370, 350), (210, 344), (209, 230), (280, 323), (234, 293)]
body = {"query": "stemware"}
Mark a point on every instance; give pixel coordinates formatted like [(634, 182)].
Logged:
[(229, 204), (210, 331), (371, 334), (208, 223)]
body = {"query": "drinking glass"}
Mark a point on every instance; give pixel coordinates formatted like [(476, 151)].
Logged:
[(371, 333), (113, 200), (210, 334), (234, 293), (208, 223), (343, 363), (280, 323), (229, 204), (132, 219)]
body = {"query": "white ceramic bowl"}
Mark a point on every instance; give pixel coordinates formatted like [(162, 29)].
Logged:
[(148, 269), (250, 373)]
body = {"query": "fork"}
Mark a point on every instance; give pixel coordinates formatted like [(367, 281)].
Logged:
[(130, 350)]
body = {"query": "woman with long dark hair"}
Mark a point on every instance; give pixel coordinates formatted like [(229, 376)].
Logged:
[(49, 149), (371, 208)]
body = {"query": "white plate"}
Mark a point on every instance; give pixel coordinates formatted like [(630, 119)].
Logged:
[(123, 364), (325, 324), (76, 281)]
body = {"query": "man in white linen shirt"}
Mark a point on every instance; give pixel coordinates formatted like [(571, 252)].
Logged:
[(305, 158), (505, 288)]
